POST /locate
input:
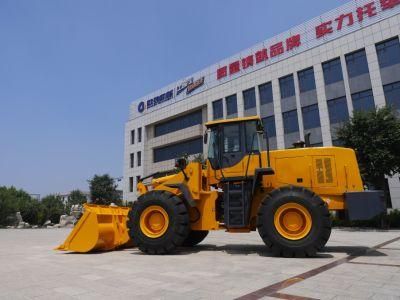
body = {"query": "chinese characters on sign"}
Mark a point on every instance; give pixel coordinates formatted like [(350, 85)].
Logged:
[(260, 56), (348, 19)]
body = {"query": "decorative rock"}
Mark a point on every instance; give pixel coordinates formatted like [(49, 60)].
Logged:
[(67, 220), (23, 225), (76, 211), (48, 223), (35, 226)]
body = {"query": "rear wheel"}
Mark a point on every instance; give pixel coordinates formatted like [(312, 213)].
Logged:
[(158, 222), (294, 221), (195, 237)]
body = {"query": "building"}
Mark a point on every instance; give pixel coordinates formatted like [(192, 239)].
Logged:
[(308, 79)]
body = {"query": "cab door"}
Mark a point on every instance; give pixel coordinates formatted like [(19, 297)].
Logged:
[(232, 147)]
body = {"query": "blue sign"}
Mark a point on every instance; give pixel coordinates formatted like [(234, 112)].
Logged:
[(155, 101)]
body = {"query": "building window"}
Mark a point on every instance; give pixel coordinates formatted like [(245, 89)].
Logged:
[(290, 122), (306, 80), (139, 133), (311, 116), (130, 184), (131, 160), (269, 126), (392, 94), (265, 93), (139, 158), (132, 137), (137, 179), (363, 101), (189, 147), (338, 111), (231, 105), (218, 112), (357, 63), (286, 85), (388, 52), (249, 98), (179, 123), (332, 71)]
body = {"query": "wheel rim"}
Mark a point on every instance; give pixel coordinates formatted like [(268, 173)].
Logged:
[(293, 221), (154, 221)]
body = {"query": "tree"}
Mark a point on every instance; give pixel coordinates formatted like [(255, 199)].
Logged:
[(375, 136), (13, 200), (75, 197), (53, 208), (103, 190)]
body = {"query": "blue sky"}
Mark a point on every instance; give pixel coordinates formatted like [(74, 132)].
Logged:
[(70, 69)]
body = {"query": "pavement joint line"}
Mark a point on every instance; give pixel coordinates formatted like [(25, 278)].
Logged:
[(290, 297), (276, 287), (373, 264)]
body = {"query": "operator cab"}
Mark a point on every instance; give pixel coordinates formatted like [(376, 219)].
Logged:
[(229, 141), (234, 156)]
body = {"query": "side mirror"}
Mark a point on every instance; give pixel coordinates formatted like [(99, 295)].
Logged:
[(180, 163), (205, 137)]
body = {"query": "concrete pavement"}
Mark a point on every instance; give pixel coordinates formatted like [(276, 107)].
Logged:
[(354, 265)]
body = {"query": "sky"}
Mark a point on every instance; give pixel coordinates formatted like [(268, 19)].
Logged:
[(69, 70)]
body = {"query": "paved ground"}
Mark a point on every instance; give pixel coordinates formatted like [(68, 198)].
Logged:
[(355, 264)]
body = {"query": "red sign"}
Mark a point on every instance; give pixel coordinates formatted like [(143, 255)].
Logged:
[(260, 56), (347, 19)]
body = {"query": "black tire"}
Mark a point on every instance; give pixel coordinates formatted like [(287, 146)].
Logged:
[(320, 230), (178, 227), (195, 237)]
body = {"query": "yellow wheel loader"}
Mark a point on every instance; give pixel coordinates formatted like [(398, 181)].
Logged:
[(286, 195)]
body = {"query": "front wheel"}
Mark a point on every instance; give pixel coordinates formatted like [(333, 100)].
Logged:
[(294, 222), (158, 222)]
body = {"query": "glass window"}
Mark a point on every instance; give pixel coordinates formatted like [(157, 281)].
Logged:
[(130, 184), (179, 123), (251, 137), (139, 131), (213, 151), (269, 126), (332, 71), (249, 98), (357, 63), (132, 159), (363, 101), (392, 94), (231, 138), (139, 158), (189, 147), (286, 85), (388, 52), (265, 93), (290, 122), (306, 80), (338, 111), (231, 105), (311, 116), (217, 109), (132, 137)]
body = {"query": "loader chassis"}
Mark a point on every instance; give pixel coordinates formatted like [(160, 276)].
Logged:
[(284, 194)]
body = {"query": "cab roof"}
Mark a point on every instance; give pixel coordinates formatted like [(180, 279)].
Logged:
[(235, 120)]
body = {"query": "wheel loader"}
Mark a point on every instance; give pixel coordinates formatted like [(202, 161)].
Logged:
[(286, 195)]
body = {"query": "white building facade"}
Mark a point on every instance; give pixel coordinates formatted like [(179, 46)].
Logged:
[(308, 79)]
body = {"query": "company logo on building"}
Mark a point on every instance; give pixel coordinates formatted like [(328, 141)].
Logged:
[(155, 101), (189, 85)]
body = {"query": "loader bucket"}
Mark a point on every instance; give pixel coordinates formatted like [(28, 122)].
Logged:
[(100, 228)]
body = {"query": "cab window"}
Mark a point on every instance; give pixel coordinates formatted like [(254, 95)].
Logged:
[(231, 138)]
